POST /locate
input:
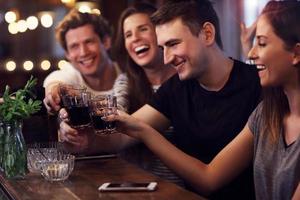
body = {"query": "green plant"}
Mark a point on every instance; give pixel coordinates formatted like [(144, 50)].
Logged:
[(20, 104)]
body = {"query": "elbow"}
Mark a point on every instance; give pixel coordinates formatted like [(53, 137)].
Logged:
[(206, 183), (205, 189)]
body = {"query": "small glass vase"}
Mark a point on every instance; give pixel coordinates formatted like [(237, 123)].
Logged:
[(14, 160)]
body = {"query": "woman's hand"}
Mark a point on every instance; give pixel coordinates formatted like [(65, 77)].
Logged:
[(246, 37)]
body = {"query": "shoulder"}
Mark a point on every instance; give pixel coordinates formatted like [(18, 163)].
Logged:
[(255, 119), (121, 80), (68, 75), (173, 81), (117, 68), (122, 77), (245, 75), (121, 83), (246, 69)]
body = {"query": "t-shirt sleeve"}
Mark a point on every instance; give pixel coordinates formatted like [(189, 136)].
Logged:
[(120, 90), (254, 121)]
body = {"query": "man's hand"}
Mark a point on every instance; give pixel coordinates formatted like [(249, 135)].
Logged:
[(74, 140), (52, 99), (128, 124)]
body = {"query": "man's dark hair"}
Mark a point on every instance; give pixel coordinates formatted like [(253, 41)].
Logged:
[(194, 13), (75, 19)]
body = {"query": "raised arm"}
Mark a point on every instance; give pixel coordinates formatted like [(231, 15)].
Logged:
[(246, 37)]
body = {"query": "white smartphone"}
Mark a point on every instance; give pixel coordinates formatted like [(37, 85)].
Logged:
[(151, 186)]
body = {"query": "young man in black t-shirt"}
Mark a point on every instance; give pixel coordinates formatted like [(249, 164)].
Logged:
[(208, 102)]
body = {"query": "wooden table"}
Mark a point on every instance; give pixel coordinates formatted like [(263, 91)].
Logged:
[(84, 181)]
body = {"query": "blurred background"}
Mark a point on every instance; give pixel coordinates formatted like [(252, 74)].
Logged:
[(28, 46)]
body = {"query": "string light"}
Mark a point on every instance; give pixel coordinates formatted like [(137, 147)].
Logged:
[(22, 26), (32, 22), (96, 11), (10, 16), (10, 65), (46, 19), (13, 28), (28, 65), (62, 64), (45, 65), (86, 7)]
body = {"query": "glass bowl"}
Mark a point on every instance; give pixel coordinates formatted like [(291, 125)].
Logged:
[(36, 156), (57, 167), (39, 152)]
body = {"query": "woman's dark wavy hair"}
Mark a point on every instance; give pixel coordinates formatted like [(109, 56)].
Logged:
[(140, 89), (284, 18)]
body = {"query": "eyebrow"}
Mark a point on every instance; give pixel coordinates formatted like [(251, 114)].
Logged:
[(139, 26), (169, 42), (261, 36)]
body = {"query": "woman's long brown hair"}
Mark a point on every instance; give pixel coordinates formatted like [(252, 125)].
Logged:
[(284, 18), (140, 89)]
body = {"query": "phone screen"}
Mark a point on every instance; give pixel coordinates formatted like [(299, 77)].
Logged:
[(128, 186), (117, 185)]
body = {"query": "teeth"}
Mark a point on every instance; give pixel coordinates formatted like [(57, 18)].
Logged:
[(86, 62), (141, 48), (260, 67)]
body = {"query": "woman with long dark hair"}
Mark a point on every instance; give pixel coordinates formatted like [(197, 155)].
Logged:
[(137, 50)]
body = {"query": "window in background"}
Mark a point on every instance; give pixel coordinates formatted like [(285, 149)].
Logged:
[(252, 8)]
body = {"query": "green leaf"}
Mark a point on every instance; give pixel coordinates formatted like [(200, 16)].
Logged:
[(19, 105)]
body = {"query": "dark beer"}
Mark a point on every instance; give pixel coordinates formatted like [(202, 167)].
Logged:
[(79, 116), (98, 123)]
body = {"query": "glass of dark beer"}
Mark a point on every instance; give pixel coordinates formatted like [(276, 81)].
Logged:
[(75, 100), (101, 106)]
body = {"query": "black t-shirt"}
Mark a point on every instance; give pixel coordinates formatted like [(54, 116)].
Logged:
[(206, 121)]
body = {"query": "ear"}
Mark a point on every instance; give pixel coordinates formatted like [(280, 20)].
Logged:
[(296, 59), (209, 33), (106, 41)]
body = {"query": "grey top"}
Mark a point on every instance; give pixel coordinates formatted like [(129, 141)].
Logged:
[(276, 165)]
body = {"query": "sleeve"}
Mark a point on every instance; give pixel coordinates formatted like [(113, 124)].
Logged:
[(66, 75), (120, 90), (254, 121)]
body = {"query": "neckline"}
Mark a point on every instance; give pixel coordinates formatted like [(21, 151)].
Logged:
[(285, 145), (226, 85)]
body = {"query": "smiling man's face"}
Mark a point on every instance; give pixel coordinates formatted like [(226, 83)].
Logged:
[(85, 50), (182, 50)]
